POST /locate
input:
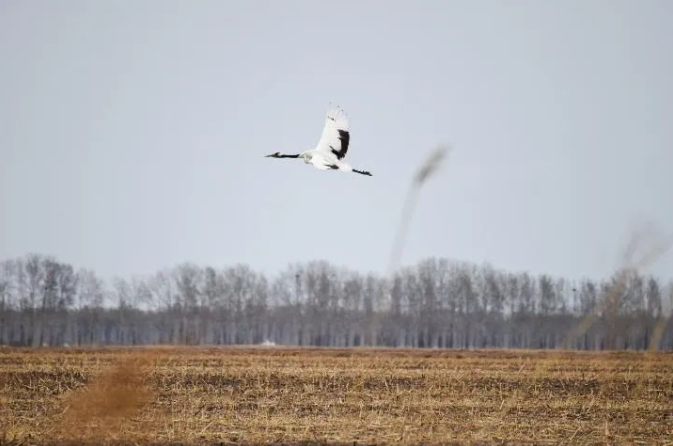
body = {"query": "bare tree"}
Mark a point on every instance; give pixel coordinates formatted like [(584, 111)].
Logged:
[(436, 303)]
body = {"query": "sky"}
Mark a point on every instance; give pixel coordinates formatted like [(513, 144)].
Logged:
[(132, 134)]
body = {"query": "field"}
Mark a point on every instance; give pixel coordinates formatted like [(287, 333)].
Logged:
[(329, 396)]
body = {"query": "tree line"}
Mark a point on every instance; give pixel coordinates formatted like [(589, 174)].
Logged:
[(436, 303)]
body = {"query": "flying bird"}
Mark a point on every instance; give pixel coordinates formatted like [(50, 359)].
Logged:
[(332, 146)]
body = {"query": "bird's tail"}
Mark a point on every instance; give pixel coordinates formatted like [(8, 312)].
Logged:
[(344, 167)]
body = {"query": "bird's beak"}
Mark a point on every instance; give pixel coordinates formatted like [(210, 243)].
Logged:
[(271, 155)]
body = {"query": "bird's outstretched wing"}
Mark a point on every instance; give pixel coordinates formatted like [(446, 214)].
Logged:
[(335, 136)]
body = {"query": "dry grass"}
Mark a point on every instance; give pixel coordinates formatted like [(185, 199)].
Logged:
[(253, 396)]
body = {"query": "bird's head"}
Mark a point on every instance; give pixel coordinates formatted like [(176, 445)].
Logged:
[(273, 155)]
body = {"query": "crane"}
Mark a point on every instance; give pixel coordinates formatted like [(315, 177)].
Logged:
[(332, 146)]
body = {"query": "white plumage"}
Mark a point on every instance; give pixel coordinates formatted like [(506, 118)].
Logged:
[(332, 146)]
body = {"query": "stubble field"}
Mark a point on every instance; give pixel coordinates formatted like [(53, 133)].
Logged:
[(329, 396)]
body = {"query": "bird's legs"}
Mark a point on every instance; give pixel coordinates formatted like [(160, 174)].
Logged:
[(362, 172)]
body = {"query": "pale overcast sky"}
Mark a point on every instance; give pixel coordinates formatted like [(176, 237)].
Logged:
[(132, 133)]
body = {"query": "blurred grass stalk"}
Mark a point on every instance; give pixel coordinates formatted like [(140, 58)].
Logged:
[(646, 245), (425, 171), (429, 167)]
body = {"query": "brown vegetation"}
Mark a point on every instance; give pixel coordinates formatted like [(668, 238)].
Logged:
[(252, 396)]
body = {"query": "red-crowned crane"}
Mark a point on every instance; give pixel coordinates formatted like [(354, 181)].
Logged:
[(332, 147)]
